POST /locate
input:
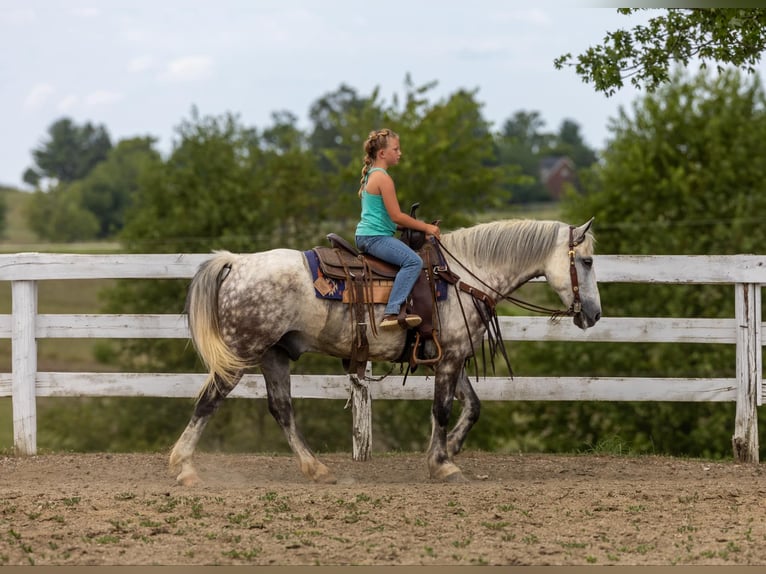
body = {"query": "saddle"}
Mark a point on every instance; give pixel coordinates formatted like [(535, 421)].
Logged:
[(369, 280)]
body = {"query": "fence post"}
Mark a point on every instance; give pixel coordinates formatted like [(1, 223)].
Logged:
[(24, 376), (749, 361), (361, 414)]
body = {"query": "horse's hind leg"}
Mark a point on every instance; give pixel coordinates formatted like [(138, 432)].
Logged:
[(275, 367), (207, 404), (468, 415)]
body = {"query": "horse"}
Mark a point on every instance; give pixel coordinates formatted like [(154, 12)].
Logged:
[(261, 310)]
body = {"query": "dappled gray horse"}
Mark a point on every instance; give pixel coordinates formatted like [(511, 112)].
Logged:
[(261, 310)]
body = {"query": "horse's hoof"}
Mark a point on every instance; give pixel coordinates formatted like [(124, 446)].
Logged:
[(326, 478), (318, 472), (448, 472), (456, 477), (324, 475), (188, 478)]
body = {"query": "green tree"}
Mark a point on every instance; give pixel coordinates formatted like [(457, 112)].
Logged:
[(521, 142), (108, 190), (58, 215), (340, 122), (645, 54), (93, 207), (682, 174), (569, 142), (70, 152)]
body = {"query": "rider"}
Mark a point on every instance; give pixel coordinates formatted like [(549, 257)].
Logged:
[(380, 216)]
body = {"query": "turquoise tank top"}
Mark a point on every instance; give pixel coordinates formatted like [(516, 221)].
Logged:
[(375, 219)]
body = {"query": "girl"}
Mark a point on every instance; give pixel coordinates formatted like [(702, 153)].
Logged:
[(380, 216)]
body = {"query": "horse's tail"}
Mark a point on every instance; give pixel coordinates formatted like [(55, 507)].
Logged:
[(202, 314)]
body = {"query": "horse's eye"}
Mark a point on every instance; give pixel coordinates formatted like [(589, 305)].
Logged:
[(587, 262)]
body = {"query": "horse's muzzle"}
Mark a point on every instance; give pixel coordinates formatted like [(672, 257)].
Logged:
[(585, 320)]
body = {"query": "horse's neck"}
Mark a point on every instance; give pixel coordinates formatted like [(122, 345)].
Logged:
[(474, 266)]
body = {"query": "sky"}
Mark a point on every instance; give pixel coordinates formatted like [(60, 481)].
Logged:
[(138, 67)]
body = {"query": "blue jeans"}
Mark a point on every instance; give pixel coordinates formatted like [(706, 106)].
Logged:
[(393, 250)]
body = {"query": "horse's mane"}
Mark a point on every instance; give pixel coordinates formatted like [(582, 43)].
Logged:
[(520, 242)]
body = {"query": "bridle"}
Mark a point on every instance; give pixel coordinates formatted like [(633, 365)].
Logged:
[(573, 309), (576, 305)]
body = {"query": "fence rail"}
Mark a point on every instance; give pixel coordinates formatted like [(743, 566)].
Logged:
[(747, 273)]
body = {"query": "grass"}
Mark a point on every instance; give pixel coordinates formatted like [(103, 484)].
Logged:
[(6, 425), (16, 232)]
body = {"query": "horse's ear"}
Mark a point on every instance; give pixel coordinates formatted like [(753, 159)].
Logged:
[(579, 233)]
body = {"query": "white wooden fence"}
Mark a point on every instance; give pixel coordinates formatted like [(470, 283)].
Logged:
[(745, 272)]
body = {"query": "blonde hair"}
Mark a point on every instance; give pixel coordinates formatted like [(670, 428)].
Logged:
[(376, 141)]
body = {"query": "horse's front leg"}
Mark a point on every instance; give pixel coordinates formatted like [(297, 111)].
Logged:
[(276, 371), (468, 415), (439, 464)]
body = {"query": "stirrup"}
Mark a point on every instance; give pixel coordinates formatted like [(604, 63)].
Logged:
[(433, 361)]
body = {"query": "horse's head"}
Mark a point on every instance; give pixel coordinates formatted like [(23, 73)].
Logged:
[(569, 272)]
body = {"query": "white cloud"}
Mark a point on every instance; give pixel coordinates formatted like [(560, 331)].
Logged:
[(67, 103), (38, 96), (189, 69), (102, 97), (141, 64)]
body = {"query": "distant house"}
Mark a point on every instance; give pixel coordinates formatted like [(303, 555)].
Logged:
[(555, 172)]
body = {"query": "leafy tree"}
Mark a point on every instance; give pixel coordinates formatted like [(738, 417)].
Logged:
[(70, 153), (521, 142), (569, 142), (58, 215), (734, 36), (108, 190), (341, 120), (93, 207), (682, 174)]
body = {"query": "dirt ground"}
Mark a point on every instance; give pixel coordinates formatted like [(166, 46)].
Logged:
[(125, 509)]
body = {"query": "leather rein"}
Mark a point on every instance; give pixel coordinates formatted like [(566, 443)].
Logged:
[(574, 308)]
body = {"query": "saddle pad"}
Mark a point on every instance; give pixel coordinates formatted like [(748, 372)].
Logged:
[(324, 287)]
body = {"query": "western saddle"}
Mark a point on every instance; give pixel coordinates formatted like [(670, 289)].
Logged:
[(368, 281)]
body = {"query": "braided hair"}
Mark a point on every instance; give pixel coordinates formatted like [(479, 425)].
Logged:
[(376, 141)]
